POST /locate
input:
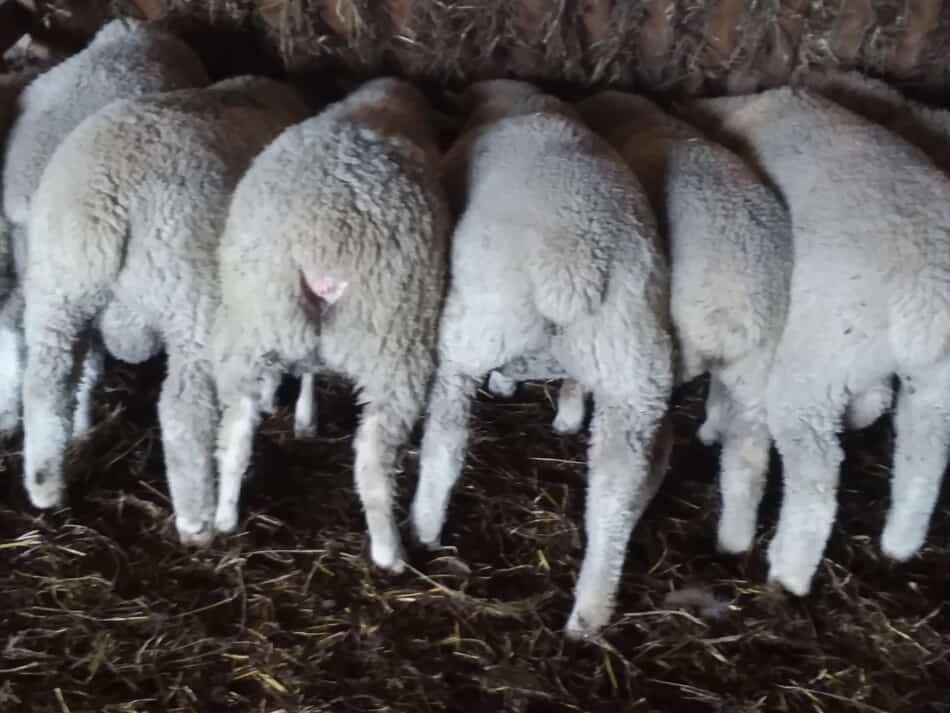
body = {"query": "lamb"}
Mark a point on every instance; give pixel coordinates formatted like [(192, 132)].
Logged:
[(555, 256), (11, 86), (868, 299), (729, 240), (123, 232), (615, 115), (126, 58), (926, 127), (350, 280)]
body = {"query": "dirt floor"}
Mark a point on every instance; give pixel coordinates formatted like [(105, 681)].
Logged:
[(101, 610)]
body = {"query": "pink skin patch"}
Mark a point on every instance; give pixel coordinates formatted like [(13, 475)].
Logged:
[(320, 292), (327, 288)]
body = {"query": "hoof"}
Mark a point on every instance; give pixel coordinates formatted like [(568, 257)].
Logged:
[(45, 490), (225, 523), (585, 626), (191, 535), (426, 528), (787, 568), (303, 431), (735, 541), (795, 583), (427, 538), (390, 559), (901, 546)]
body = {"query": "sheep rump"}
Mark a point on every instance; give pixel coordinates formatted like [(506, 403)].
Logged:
[(870, 217), (350, 280), (124, 228), (126, 58), (554, 257)]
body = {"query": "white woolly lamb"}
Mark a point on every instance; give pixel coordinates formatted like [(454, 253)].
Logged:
[(869, 298), (926, 127), (555, 254), (124, 229), (689, 180), (730, 249), (349, 279), (11, 85), (126, 58)]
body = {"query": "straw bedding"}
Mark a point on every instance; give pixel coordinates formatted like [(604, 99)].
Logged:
[(688, 46), (102, 612)]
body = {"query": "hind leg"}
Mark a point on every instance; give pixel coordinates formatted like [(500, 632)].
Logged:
[(804, 412), (744, 459), (92, 367), (240, 417), (242, 385), (12, 358), (56, 329), (391, 410), (463, 360), (866, 408), (921, 447), (305, 411), (443, 450), (12, 361), (187, 413), (624, 475)]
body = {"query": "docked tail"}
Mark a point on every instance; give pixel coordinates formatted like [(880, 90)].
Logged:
[(569, 277)]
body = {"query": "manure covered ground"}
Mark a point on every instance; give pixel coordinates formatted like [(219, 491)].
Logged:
[(101, 611)]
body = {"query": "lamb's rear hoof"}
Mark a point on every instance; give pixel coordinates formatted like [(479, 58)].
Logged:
[(735, 541), (304, 431), (788, 568), (426, 527), (390, 559), (901, 546), (45, 490), (225, 523), (585, 627), (191, 535), (431, 545), (426, 539), (797, 584)]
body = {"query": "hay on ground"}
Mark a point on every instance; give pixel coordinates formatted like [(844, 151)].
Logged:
[(683, 46), (102, 612)]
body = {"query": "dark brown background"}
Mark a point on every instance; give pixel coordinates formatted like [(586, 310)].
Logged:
[(666, 45)]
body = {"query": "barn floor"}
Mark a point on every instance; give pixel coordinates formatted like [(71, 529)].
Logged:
[(101, 611)]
